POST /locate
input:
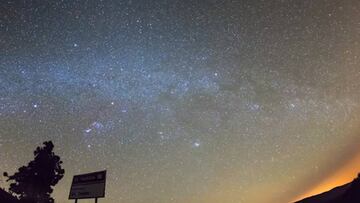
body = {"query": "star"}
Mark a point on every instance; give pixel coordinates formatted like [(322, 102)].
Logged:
[(88, 130), (196, 144)]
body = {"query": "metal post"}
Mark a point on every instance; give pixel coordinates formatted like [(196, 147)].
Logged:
[(96, 200)]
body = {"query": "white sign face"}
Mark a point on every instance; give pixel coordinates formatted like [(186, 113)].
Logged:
[(91, 185)]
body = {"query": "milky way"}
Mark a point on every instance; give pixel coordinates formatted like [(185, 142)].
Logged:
[(182, 101)]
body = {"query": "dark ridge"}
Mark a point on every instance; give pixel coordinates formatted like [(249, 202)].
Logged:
[(348, 193)]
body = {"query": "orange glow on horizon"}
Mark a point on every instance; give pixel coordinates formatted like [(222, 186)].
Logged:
[(344, 175)]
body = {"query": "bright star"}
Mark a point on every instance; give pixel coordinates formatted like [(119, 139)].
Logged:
[(196, 144)]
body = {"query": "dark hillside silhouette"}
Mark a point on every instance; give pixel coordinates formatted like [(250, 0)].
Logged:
[(33, 183), (348, 193), (353, 193)]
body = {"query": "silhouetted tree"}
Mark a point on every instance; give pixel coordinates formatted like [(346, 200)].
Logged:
[(33, 183)]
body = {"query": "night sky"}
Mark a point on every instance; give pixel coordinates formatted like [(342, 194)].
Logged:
[(215, 101)]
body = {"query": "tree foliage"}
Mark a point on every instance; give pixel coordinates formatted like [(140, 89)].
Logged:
[(34, 183)]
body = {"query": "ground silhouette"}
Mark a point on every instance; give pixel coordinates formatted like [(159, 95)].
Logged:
[(34, 183), (347, 193)]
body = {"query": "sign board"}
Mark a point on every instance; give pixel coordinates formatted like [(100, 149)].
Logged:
[(90, 185)]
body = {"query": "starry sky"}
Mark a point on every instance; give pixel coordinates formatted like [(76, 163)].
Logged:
[(215, 101)]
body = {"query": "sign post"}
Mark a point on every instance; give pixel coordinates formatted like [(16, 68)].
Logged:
[(86, 186)]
